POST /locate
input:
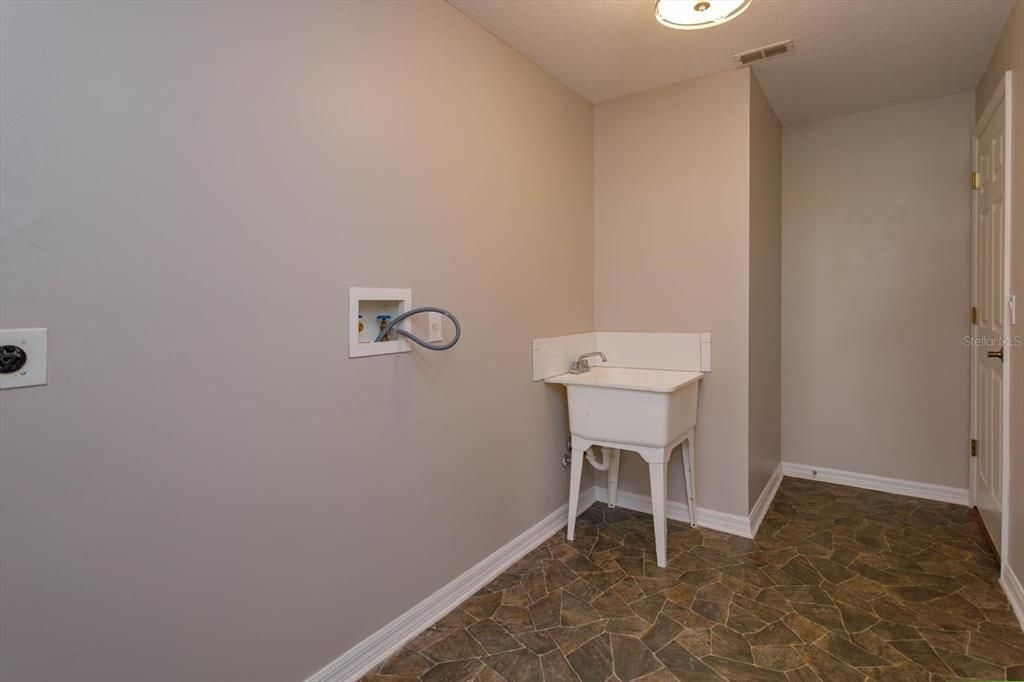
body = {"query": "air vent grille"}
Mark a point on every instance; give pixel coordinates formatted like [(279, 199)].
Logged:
[(766, 52)]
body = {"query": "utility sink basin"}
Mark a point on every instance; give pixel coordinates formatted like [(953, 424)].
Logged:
[(645, 407), (647, 411)]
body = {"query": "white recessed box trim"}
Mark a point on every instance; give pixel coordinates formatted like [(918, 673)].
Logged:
[(359, 298)]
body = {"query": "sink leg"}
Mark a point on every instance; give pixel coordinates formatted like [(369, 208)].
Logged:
[(613, 475), (659, 491), (690, 473), (576, 470)]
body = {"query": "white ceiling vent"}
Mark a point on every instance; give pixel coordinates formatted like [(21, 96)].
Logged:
[(763, 53)]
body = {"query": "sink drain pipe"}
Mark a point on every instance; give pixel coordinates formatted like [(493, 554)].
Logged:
[(600, 466), (605, 460)]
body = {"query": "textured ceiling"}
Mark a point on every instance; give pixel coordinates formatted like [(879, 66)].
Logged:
[(849, 55)]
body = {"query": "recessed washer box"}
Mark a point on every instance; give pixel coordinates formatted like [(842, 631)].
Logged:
[(368, 308)]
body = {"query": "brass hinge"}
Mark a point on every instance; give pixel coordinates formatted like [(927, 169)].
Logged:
[(974, 447), (974, 314), (975, 180)]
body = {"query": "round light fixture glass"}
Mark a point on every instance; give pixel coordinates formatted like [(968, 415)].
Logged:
[(694, 14)]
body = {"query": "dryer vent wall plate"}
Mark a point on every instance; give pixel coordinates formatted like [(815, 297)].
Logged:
[(22, 358)]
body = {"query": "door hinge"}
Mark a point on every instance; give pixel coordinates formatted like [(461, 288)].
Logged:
[(975, 180), (974, 314), (974, 447)]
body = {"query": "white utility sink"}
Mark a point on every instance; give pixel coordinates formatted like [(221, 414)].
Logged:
[(648, 411), (651, 407)]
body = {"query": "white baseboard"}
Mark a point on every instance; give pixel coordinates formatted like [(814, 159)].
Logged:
[(764, 500), (678, 511), (1014, 592), (358, 660), (734, 524), (927, 491)]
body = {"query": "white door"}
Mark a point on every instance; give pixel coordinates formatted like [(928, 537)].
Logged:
[(990, 248)]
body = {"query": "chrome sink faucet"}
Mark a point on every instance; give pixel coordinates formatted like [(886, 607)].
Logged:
[(580, 364)]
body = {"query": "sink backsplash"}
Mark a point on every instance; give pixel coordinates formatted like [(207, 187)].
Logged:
[(687, 351)]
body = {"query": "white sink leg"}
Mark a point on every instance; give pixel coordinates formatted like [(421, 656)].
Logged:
[(613, 475), (576, 470), (659, 491), (690, 473)]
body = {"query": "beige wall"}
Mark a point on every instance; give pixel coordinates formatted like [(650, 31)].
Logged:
[(1009, 54), (765, 402), (209, 488), (876, 289), (671, 214)]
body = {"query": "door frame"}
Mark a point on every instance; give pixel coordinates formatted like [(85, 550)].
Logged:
[(1004, 93)]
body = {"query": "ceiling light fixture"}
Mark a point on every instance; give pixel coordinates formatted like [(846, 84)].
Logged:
[(694, 14)]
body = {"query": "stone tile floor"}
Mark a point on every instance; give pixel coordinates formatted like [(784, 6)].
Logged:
[(840, 584)]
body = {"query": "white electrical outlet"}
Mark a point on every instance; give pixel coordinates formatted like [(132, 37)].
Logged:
[(434, 330), (22, 358)]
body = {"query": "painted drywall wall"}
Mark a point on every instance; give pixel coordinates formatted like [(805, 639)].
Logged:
[(1009, 55), (671, 213), (765, 401), (876, 289), (209, 488)]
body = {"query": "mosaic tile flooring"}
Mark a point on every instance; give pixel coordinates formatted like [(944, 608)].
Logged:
[(840, 584)]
